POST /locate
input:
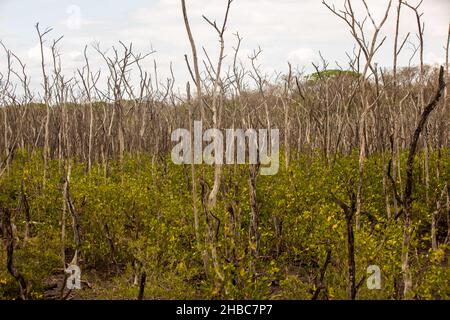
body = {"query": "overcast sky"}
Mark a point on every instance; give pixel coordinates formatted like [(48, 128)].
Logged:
[(286, 30)]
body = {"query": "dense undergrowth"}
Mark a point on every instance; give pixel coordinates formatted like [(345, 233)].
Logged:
[(141, 215)]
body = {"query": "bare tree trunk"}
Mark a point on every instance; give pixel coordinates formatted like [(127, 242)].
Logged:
[(351, 257), (46, 101), (7, 231), (211, 236), (447, 240), (436, 213), (87, 88), (142, 283), (407, 201), (194, 183), (349, 212), (197, 81), (254, 224), (396, 50), (75, 217), (5, 123), (385, 189), (26, 210), (319, 280), (197, 78), (362, 156), (63, 233)]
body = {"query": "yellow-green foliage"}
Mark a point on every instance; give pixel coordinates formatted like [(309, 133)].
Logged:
[(144, 211)]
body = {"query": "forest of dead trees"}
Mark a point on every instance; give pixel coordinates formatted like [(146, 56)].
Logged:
[(86, 176)]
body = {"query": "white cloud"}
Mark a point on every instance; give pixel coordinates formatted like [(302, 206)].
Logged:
[(285, 29), (75, 55), (302, 56)]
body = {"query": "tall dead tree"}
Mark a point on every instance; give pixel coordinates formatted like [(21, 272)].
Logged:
[(435, 217), (199, 104), (408, 191), (369, 48), (25, 207), (41, 36), (74, 215), (349, 213), (216, 97), (7, 231)]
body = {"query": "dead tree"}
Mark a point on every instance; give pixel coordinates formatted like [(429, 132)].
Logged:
[(199, 104), (435, 216), (447, 239), (369, 48), (407, 198), (196, 76), (7, 230), (25, 207), (349, 213), (74, 215), (214, 106), (319, 278), (41, 36), (142, 283)]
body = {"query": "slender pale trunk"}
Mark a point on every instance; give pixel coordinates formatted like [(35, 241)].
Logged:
[(385, 189), (362, 155), (7, 146), (91, 133), (286, 133)]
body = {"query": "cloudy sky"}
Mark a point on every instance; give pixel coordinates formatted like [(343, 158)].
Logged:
[(286, 30)]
